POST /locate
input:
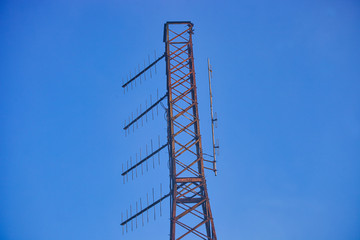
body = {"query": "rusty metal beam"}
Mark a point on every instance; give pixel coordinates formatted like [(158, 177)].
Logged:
[(189, 179)]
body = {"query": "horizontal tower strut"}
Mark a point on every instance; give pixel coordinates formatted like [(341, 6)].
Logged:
[(144, 70), (146, 111), (143, 160)]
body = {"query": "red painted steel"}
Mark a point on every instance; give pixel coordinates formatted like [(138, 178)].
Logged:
[(191, 216)]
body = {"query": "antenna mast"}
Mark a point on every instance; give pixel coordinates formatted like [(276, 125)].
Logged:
[(190, 212), (190, 205)]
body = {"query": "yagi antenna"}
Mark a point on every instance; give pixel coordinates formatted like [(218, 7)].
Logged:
[(139, 160), (142, 71)]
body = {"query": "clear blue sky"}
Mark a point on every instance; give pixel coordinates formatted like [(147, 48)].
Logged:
[(286, 89)]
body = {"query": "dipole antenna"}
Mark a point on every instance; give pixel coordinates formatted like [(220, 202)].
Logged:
[(213, 120)]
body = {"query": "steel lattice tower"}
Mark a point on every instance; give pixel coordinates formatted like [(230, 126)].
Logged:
[(190, 205), (190, 212)]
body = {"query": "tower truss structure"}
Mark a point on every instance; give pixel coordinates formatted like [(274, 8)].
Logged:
[(190, 212), (191, 216)]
